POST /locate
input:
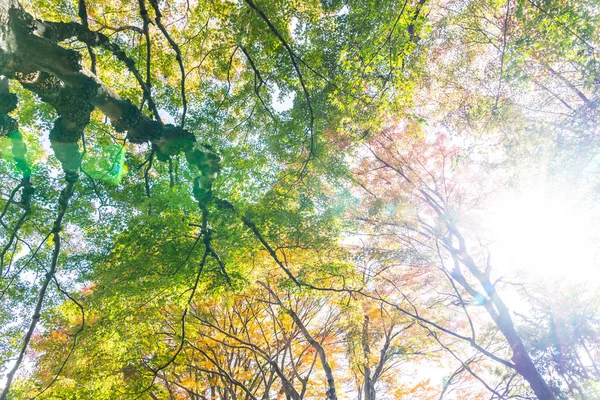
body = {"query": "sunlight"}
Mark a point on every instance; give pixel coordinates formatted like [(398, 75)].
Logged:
[(546, 235)]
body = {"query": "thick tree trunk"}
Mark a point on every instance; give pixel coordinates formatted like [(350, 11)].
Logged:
[(500, 313), (522, 360), (29, 53)]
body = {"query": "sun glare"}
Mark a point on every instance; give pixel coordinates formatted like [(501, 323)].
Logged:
[(546, 235)]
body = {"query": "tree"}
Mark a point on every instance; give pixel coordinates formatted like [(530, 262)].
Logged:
[(566, 344), (33, 56), (425, 178), (185, 226)]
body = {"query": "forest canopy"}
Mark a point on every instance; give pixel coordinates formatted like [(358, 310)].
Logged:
[(283, 199)]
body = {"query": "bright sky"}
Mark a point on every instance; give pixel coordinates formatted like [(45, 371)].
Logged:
[(549, 233)]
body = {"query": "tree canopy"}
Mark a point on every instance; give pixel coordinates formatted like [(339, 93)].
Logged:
[(278, 199)]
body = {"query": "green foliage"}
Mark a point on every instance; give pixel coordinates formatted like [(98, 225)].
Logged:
[(280, 97)]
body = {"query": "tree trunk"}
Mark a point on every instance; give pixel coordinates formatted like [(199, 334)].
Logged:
[(500, 313), (521, 358), (369, 384)]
